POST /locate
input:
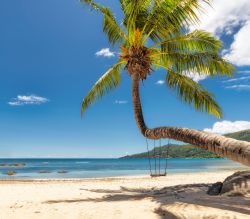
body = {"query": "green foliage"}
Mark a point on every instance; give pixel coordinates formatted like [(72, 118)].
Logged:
[(196, 40), (108, 81), (191, 92), (241, 135), (110, 25), (175, 151), (188, 151), (134, 14), (171, 16), (163, 28)]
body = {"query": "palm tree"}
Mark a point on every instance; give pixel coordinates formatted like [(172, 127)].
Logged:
[(155, 34)]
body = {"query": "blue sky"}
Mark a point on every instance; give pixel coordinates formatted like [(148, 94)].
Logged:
[(48, 62)]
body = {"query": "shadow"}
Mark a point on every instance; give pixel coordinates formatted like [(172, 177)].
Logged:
[(166, 214), (181, 195), (107, 198), (101, 190), (122, 189)]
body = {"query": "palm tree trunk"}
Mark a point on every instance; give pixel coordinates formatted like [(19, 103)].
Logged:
[(223, 146)]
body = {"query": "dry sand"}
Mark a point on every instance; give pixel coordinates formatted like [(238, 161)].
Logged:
[(140, 197)]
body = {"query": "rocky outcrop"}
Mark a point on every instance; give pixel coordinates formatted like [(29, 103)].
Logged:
[(215, 188), (237, 184)]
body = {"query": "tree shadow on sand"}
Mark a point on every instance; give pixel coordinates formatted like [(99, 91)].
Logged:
[(181, 196)]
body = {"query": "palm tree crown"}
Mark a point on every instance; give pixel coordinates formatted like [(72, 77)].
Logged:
[(155, 34)]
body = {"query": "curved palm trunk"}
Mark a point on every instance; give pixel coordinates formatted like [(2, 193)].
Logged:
[(226, 147)]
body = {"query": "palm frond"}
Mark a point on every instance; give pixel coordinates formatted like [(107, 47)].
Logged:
[(111, 79), (209, 63), (193, 93), (194, 41), (110, 26), (135, 13), (168, 17), (203, 63)]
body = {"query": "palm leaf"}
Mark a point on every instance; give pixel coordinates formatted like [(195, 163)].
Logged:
[(172, 16), (110, 25), (192, 60), (202, 63), (193, 93), (197, 40), (111, 79), (135, 13)]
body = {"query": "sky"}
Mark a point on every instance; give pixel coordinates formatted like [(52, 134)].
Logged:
[(52, 52)]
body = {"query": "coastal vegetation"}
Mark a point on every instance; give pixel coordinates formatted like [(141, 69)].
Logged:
[(175, 151), (187, 151), (156, 34)]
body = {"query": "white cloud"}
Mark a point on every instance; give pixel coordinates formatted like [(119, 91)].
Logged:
[(230, 17), (160, 82), (121, 102), (239, 53), (225, 15), (105, 52), (237, 79), (239, 87), (225, 127), (196, 77), (21, 100)]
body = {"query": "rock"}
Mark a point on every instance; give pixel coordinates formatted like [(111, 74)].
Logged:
[(18, 164), (62, 172), (237, 184), (12, 164), (215, 189), (10, 173), (44, 171)]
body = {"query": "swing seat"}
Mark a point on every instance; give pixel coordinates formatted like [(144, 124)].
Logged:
[(158, 175)]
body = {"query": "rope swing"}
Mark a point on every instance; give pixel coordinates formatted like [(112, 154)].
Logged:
[(156, 162)]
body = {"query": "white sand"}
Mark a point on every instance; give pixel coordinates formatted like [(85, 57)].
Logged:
[(140, 197)]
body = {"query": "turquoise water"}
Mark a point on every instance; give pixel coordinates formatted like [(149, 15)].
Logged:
[(88, 168)]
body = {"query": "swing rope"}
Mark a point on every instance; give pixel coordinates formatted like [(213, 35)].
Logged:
[(155, 156), (159, 160), (149, 161), (166, 162), (157, 152)]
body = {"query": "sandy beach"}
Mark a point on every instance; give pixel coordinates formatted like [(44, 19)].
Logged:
[(173, 196)]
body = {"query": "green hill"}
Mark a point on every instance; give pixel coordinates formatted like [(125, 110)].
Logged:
[(186, 150), (242, 135)]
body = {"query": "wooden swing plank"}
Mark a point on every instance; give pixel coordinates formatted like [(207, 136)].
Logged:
[(158, 175)]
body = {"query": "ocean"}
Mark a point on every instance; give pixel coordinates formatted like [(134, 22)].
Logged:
[(89, 168)]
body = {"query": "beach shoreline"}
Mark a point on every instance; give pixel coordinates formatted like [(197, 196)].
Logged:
[(178, 195), (138, 176)]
